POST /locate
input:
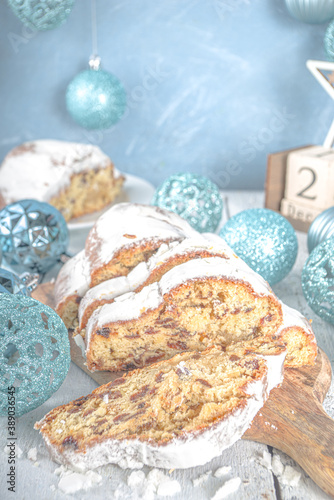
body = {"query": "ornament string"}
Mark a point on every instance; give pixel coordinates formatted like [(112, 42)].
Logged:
[(95, 60)]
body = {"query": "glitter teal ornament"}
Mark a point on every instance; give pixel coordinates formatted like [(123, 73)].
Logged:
[(265, 240), (95, 99), (321, 229), (193, 197), (34, 352), (41, 15), (329, 41), (33, 235), (311, 11), (318, 280)]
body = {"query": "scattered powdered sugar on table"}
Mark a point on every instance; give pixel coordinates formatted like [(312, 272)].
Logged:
[(18, 451), (265, 460), (71, 482), (231, 486), (277, 466), (75, 481), (288, 475), (32, 454), (156, 483), (199, 481), (223, 471)]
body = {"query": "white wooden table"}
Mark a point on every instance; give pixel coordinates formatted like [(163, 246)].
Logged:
[(38, 481)]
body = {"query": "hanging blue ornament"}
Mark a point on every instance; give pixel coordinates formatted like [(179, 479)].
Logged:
[(321, 229), (95, 98), (17, 285), (265, 240), (34, 353), (41, 15), (329, 41), (33, 235), (318, 280), (193, 197), (311, 11)]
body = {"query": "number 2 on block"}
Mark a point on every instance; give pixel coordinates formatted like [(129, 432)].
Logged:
[(302, 193)]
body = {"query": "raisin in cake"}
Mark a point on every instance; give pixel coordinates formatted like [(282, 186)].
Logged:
[(123, 236), (178, 413), (76, 178)]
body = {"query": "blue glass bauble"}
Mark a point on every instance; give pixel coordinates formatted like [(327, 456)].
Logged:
[(329, 41), (265, 240), (11, 283), (95, 99), (311, 11), (34, 352), (318, 280), (321, 229), (41, 15), (33, 235), (193, 197)]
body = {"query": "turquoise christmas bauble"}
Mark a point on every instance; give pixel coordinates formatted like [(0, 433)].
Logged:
[(41, 15), (193, 197), (329, 41), (34, 354), (11, 283), (311, 11), (265, 240), (33, 235), (318, 280), (95, 99), (321, 229)]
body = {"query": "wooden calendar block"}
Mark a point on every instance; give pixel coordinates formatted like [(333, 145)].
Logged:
[(310, 180), (297, 212), (275, 185)]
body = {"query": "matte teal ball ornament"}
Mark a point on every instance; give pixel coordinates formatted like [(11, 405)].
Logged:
[(194, 197), (41, 15), (311, 11), (33, 235), (34, 353), (265, 240), (329, 42), (318, 280), (95, 99)]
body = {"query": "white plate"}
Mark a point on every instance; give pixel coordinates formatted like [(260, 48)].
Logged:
[(135, 190)]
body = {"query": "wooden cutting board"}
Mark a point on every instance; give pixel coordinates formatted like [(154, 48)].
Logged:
[(292, 420)]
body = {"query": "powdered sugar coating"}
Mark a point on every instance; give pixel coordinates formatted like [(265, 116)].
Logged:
[(127, 225), (73, 278), (181, 452), (40, 169)]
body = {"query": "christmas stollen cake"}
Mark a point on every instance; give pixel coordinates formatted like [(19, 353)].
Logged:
[(122, 237), (75, 178), (178, 413)]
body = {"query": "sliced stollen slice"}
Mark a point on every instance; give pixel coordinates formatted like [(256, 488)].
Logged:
[(178, 413), (128, 234), (168, 256), (114, 248), (297, 335), (71, 284), (196, 304)]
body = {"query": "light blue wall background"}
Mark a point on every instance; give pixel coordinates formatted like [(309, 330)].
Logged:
[(229, 84)]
